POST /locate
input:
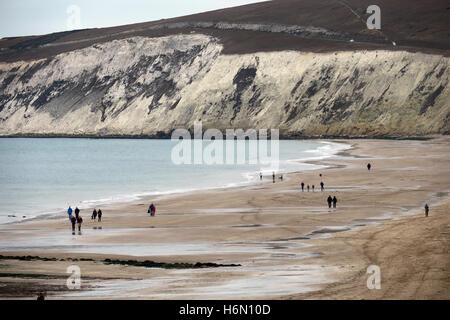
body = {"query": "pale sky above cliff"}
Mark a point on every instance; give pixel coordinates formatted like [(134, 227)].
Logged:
[(34, 17)]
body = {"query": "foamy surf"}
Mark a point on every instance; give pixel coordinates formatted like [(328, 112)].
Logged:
[(148, 173)]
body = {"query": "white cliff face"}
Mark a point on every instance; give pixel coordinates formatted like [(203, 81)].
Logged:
[(142, 86)]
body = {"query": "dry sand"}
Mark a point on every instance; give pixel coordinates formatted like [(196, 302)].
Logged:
[(288, 244)]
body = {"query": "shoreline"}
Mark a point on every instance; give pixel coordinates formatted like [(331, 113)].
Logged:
[(49, 214), (270, 230), (168, 136)]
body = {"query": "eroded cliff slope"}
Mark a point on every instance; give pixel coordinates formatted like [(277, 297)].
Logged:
[(142, 86)]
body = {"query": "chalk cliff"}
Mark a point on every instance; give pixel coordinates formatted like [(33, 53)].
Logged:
[(142, 86)]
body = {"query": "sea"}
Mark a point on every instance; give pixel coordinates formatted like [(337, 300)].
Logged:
[(41, 177)]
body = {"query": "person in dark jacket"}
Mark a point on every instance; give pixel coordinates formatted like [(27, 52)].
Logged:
[(427, 209), (369, 166), (303, 186), (41, 296), (334, 201), (99, 214), (73, 220), (77, 212), (79, 222), (94, 215), (329, 200)]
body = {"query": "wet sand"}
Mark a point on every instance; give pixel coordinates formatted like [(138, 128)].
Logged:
[(287, 243)]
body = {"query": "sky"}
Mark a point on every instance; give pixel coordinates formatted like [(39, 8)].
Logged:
[(36, 17)]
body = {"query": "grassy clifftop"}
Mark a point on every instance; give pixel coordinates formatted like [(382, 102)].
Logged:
[(415, 25)]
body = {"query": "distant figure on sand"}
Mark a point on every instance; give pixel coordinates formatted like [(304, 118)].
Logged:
[(273, 177), (320, 175), (334, 201), (77, 212), (307, 187), (329, 200), (281, 177), (313, 188), (73, 220), (69, 213), (94, 215), (260, 176), (152, 210), (427, 209), (99, 214), (369, 166), (322, 186), (41, 296), (303, 186), (79, 221)]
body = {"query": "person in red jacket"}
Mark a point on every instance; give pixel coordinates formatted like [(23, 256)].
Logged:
[(152, 210)]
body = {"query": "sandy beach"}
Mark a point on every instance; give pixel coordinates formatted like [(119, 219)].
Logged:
[(283, 243)]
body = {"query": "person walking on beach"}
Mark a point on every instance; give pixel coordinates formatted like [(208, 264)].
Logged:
[(260, 176), (41, 296), (99, 214), (79, 222), (77, 212), (273, 177), (152, 210), (303, 186), (94, 215), (69, 212), (329, 200), (427, 209), (322, 186), (307, 187), (281, 177), (334, 201), (73, 220), (313, 188), (369, 166)]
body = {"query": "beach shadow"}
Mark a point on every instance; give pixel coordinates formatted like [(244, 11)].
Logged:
[(248, 226), (293, 239)]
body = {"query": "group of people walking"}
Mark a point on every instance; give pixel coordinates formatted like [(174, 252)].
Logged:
[(332, 201), (97, 214), (313, 187), (273, 177), (76, 219)]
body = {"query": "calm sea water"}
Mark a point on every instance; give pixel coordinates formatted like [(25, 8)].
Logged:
[(44, 176)]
